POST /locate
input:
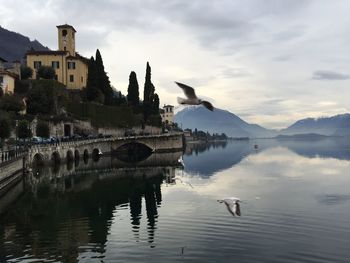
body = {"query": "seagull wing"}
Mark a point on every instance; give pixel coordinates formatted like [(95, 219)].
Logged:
[(238, 209), (208, 105), (189, 91), (230, 206)]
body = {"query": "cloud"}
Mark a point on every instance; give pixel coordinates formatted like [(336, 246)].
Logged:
[(329, 75), (234, 73)]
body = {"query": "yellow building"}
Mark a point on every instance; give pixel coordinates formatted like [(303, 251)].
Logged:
[(70, 67), (7, 78)]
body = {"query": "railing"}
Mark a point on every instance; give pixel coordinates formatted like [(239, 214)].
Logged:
[(12, 154), (83, 141)]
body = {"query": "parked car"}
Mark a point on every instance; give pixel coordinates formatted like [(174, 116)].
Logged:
[(130, 132), (76, 137)]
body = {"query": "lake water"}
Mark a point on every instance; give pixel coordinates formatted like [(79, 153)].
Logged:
[(295, 207)]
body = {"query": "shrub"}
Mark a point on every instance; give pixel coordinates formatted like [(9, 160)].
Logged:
[(11, 103), (23, 130), (43, 129), (45, 72), (5, 128), (26, 72)]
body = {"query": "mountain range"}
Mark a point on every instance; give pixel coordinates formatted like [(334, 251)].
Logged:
[(219, 121), (13, 46), (338, 125), (222, 121)]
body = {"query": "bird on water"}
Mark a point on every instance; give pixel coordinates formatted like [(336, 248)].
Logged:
[(232, 205), (192, 99)]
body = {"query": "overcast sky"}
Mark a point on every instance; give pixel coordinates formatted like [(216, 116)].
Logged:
[(271, 62)]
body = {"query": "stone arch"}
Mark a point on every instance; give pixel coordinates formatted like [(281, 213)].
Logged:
[(96, 153), (55, 157), (86, 154), (76, 154), (38, 159), (69, 156), (133, 152)]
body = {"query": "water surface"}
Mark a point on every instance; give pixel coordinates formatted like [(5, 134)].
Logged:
[(295, 207)]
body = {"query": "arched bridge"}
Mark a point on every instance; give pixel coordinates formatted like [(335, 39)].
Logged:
[(72, 150)]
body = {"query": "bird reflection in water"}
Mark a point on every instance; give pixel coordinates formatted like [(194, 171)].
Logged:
[(232, 205), (183, 182)]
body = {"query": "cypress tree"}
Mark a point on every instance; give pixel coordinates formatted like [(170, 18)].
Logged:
[(92, 92), (102, 79), (148, 94), (133, 90), (156, 104), (148, 83)]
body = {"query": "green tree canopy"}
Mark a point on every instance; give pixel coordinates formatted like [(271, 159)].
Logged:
[(46, 97), (11, 102), (148, 90), (22, 86), (5, 128), (43, 129), (156, 104), (26, 72), (102, 80), (150, 99), (45, 72), (133, 90), (23, 130)]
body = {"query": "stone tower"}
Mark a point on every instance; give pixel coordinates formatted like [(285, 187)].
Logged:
[(66, 39)]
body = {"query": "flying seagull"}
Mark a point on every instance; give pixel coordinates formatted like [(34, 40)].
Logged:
[(192, 99), (232, 205)]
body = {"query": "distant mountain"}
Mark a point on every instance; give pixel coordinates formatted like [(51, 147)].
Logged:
[(338, 125), (302, 136), (220, 121), (13, 46)]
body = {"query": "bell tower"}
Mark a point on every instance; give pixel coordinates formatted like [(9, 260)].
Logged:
[(66, 38)]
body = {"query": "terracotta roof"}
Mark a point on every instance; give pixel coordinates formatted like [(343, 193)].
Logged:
[(2, 59), (66, 26), (5, 72), (79, 57), (46, 52)]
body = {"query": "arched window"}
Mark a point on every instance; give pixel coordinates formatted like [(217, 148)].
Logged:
[(64, 32)]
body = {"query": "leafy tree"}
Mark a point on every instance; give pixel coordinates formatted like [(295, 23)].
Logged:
[(45, 72), (26, 72), (42, 129), (102, 80), (22, 86), (46, 97), (5, 128), (133, 90), (23, 130), (11, 103)]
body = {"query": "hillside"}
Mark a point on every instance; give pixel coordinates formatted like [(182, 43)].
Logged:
[(220, 121), (338, 125), (13, 46)]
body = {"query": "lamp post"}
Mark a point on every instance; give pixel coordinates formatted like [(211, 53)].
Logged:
[(16, 139)]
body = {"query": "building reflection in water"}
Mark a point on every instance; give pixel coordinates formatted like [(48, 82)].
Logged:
[(68, 210)]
